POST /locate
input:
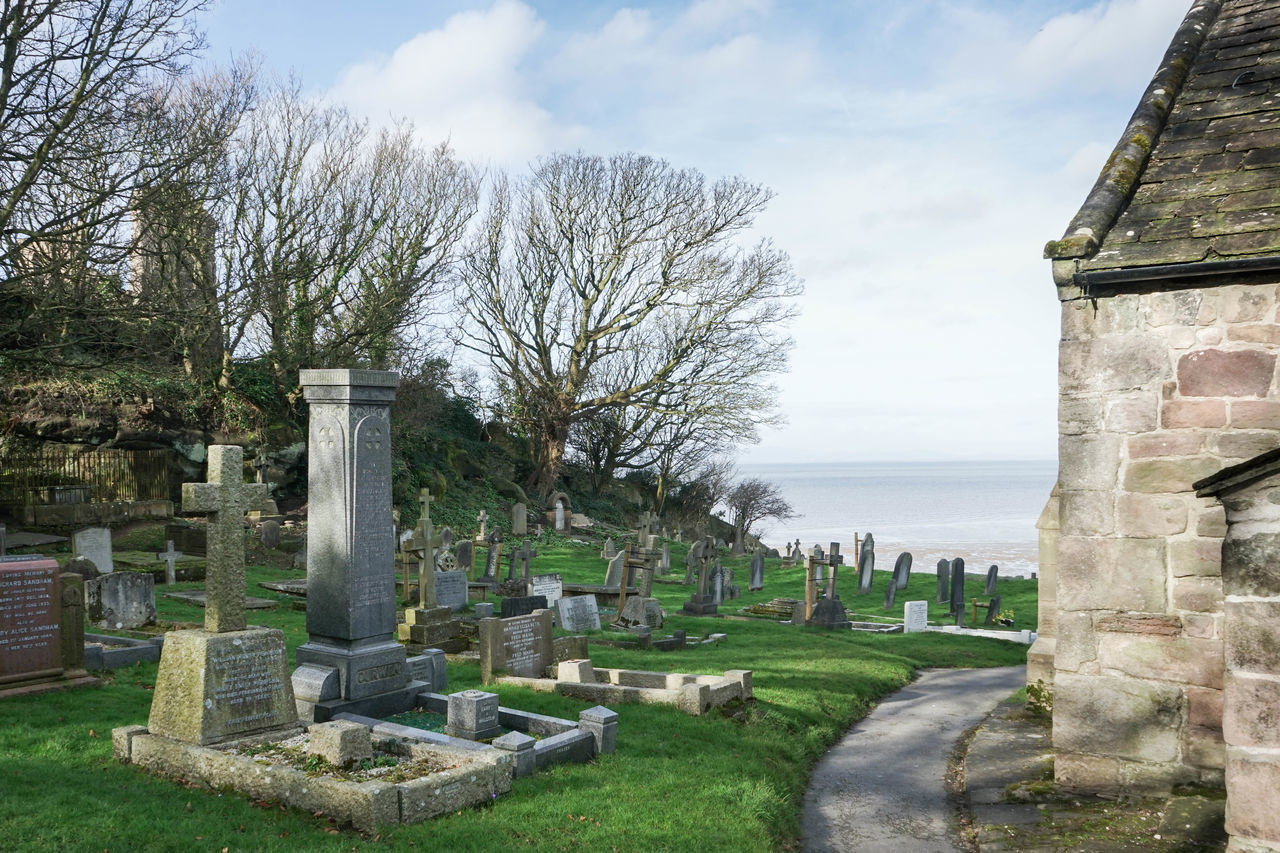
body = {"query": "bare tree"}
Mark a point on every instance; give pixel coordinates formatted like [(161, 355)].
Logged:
[(753, 500), (608, 284), (336, 243)]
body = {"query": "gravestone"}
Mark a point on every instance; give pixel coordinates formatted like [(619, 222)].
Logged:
[(701, 603), (550, 587), (94, 543), (525, 558), (890, 594), (228, 680), (519, 520), (492, 557), (756, 581), (121, 600), (640, 611), (170, 558), (944, 581), (41, 627), (269, 533), (829, 611), (520, 646), (579, 613), (483, 518), (993, 610), (522, 605), (664, 562), (717, 583), (957, 586), (351, 608), (915, 616), (902, 570), (610, 550), (693, 560), (866, 565), (464, 557), (614, 574), (991, 579), (451, 590)]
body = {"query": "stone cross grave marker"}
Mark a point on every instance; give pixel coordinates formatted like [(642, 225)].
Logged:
[(526, 555), (944, 581), (915, 616), (424, 500), (756, 581), (835, 559), (902, 570), (866, 565), (94, 544), (991, 579), (170, 558), (483, 518), (420, 547), (224, 499), (492, 557)]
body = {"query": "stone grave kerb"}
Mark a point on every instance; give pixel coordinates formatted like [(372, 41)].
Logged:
[(225, 498), (170, 558)]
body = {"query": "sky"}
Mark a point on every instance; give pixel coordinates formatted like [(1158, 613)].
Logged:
[(922, 153)]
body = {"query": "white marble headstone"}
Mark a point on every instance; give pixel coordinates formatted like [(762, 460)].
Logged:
[(916, 616), (94, 543)]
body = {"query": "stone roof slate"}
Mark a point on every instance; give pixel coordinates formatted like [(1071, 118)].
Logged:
[(1196, 175)]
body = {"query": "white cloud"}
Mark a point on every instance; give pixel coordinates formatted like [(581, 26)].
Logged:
[(465, 82)]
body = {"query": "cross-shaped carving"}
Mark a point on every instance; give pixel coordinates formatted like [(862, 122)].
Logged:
[(260, 465), (835, 559), (169, 557), (225, 499), (527, 553), (483, 518), (420, 546), (425, 499)]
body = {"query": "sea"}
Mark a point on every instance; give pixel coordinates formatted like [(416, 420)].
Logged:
[(984, 512)]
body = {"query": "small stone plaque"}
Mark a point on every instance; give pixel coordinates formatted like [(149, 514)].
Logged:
[(916, 616), (550, 586), (451, 590), (579, 613), (30, 602)]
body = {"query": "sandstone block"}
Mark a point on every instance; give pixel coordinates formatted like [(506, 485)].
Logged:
[(1168, 476), (1203, 626), (1193, 414), (1182, 337), (1119, 315), (1081, 415), (1111, 574), (1251, 712), (342, 743), (1226, 373), (1077, 642), (1249, 562), (1119, 363), (1180, 308), (1211, 521), (1198, 594), (1133, 413), (1255, 414), (1244, 303), (1245, 445), (1253, 636), (1268, 333), (1088, 462), (1252, 782), (1210, 306), (1146, 779), (1077, 320), (1162, 444), (1087, 513), (1204, 706), (1150, 515), (1209, 337), (1195, 557), (1178, 659), (1092, 773), (1121, 718), (1203, 748), (1157, 624)]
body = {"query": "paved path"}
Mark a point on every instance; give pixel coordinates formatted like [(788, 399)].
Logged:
[(881, 788)]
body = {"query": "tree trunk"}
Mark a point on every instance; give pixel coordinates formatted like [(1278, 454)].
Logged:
[(548, 455)]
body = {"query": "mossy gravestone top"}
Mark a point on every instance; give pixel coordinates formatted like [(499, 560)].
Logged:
[(226, 681)]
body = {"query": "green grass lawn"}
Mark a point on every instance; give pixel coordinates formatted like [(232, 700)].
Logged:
[(732, 780)]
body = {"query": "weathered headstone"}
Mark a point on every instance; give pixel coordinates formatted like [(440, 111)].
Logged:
[(351, 619), (95, 544), (169, 557), (579, 613), (991, 579), (464, 557), (944, 581), (915, 616), (957, 586), (451, 590), (701, 603), (549, 586), (519, 520), (483, 518), (693, 561), (614, 574), (866, 567), (716, 583), (664, 562), (610, 550), (640, 610), (228, 680), (526, 555), (993, 610), (519, 646), (269, 533), (890, 594), (492, 557), (902, 570), (121, 600), (41, 627), (756, 581), (522, 605)]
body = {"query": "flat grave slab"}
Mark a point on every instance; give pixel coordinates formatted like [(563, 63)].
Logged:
[(297, 588), (198, 598)]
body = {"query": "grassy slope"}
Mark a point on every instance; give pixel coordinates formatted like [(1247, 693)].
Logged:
[(722, 782)]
